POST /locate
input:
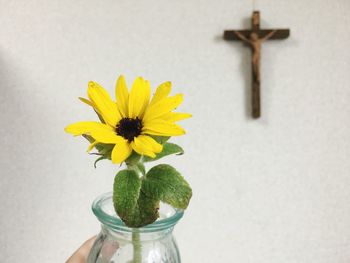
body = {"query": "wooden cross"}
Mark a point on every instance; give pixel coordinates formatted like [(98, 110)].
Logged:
[(254, 38)]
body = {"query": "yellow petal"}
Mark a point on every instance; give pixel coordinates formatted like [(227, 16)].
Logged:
[(86, 127), (92, 145), (86, 101), (149, 143), (121, 151), (122, 96), (104, 104), (162, 91), (147, 87), (162, 107), (139, 97), (175, 116), (105, 136), (162, 128), (141, 148)]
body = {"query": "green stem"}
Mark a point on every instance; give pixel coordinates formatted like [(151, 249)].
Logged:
[(137, 246), (137, 257)]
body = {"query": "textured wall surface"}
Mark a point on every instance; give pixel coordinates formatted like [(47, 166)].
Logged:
[(269, 191)]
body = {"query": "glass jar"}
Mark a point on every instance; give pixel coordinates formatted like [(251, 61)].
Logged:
[(117, 243)]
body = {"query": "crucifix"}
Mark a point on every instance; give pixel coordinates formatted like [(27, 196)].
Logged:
[(254, 38)]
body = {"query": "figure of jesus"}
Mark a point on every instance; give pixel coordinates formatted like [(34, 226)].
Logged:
[(254, 38), (255, 44)]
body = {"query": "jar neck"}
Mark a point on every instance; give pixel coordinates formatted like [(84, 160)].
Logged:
[(112, 225), (128, 235)]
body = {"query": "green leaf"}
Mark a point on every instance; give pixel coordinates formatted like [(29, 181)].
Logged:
[(130, 203), (104, 149), (161, 139), (127, 186), (89, 138), (141, 168), (148, 210), (163, 182), (133, 159), (168, 149), (100, 117), (98, 159)]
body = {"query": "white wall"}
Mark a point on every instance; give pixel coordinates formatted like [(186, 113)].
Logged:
[(271, 190)]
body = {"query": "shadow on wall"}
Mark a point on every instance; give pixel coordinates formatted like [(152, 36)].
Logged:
[(245, 66), (24, 134)]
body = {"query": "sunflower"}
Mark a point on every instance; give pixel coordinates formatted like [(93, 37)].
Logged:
[(132, 121)]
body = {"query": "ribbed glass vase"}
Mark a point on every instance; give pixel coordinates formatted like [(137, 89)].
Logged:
[(117, 243)]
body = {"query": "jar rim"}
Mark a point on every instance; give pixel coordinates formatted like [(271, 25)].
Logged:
[(111, 219)]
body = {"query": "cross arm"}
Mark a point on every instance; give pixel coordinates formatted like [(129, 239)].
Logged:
[(230, 34), (279, 34)]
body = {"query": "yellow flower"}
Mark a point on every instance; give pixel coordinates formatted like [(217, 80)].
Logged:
[(129, 122)]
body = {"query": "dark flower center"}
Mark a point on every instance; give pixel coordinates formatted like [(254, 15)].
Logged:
[(129, 128)]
